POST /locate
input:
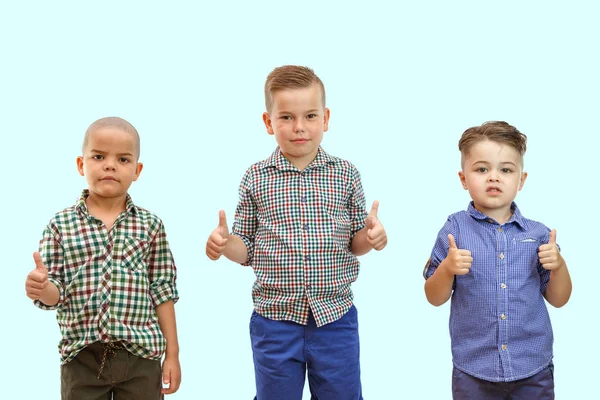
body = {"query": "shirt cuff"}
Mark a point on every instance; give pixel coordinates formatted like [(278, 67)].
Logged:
[(249, 248), (61, 297)]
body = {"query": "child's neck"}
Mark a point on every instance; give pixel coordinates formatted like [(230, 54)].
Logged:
[(500, 215), (105, 209)]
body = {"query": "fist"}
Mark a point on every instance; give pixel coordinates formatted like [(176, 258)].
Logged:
[(376, 235), (217, 241), (549, 255), (458, 261), (37, 280)]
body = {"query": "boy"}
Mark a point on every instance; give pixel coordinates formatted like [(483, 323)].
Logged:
[(498, 267), (105, 265), (300, 223)]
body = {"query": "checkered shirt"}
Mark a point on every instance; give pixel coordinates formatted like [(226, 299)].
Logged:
[(110, 282), (298, 227)]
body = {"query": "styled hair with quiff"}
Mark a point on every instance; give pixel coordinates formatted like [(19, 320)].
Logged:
[(495, 131), (112, 122), (290, 77)]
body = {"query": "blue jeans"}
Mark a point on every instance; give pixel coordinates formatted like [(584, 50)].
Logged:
[(284, 351), (539, 387)]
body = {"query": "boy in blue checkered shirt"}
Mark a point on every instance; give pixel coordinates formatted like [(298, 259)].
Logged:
[(498, 267)]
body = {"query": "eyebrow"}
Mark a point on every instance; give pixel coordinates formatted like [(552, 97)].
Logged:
[(104, 152), (488, 163)]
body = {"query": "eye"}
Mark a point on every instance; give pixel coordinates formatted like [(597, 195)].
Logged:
[(481, 169), (286, 118), (506, 170), (124, 159), (98, 157), (311, 116)]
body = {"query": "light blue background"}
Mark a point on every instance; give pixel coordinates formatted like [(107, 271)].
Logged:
[(404, 79)]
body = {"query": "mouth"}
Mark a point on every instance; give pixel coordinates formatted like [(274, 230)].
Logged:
[(299, 140), (493, 189), (109, 178)]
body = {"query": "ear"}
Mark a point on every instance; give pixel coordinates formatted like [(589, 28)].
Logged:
[(463, 180), (326, 120), (138, 170), (523, 177), (80, 165), (268, 123)]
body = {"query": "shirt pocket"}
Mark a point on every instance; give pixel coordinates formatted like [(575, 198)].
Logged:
[(525, 249), (133, 254)]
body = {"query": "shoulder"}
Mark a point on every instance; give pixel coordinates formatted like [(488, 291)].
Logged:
[(147, 218)]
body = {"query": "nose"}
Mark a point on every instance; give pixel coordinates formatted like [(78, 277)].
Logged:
[(493, 176), (109, 165), (298, 126)]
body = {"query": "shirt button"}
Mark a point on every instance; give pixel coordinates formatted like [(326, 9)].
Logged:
[(303, 199), (504, 347), (107, 276), (104, 306), (307, 258), (305, 227), (501, 256), (503, 316), (499, 229), (503, 286), (490, 221)]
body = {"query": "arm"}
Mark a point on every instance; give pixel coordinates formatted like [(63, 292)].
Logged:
[(438, 286), (558, 290), (171, 368), (37, 285), (220, 242), (44, 284)]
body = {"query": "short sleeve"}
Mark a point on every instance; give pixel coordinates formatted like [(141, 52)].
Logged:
[(52, 253), (245, 222), (440, 248), (357, 204), (543, 272), (162, 271)]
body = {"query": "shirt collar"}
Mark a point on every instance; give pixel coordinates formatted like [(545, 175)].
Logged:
[(515, 217), (81, 207), (278, 160)]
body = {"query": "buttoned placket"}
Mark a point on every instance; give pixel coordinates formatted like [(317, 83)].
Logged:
[(503, 317)]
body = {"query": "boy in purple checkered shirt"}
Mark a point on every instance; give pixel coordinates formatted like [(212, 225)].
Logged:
[(300, 223), (106, 267), (498, 267)]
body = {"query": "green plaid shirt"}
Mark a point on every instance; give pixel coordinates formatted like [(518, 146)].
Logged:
[(110, 282), (298, 228)]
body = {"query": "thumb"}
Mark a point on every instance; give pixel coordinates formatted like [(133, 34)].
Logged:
[(451, 242), (223, 229), (374, 209), (552, 236), (39, 264)]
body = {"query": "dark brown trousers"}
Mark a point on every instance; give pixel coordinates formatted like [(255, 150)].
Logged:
[(123, 377)]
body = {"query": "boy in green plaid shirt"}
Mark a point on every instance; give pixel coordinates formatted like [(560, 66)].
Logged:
[(105, 265), (300, 223)]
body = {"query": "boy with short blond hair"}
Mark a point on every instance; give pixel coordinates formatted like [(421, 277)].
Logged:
[(300, 223), (105, 265), (498, 267)]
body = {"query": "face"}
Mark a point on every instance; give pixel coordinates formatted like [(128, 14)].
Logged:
[(493, 174), (298, 119), (109, 162)]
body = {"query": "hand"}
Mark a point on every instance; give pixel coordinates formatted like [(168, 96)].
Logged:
[(171, 374), (549, 255), (376, 235), (458, 261), (217, 241), (37, 280)]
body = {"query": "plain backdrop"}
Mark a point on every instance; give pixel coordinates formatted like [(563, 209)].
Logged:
[(404, 79)]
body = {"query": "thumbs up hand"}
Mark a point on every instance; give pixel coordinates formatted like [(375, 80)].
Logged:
[(376, 235), (549, 255), (459, 261), (37, 280), (217, 241)]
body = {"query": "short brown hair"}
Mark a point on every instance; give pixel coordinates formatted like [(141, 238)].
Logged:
[(290, 77), (112, 122), (496, 131)]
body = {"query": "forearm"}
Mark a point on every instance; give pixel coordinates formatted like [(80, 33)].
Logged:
[(168, 327), (360, 245), (236, 250), (438, 288), (50, 295), (559, 287)]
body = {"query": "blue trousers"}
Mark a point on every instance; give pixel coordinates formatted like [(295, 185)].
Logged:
[(539, 387), (284, 351)]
